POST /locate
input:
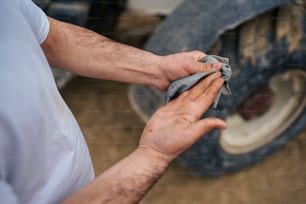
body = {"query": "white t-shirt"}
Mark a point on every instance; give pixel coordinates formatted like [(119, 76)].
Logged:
[(43, 155)]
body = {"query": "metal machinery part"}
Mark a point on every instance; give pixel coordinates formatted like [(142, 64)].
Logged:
[(246, 135)]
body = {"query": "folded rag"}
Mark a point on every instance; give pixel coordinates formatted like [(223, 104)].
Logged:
[(179, 86)]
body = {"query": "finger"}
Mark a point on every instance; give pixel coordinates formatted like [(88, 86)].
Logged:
[(205, 100), (206, 67), (200, 87), (202, 127), (199, 67)]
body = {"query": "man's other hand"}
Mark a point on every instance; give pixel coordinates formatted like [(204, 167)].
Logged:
[(177, 125), (182, 64)]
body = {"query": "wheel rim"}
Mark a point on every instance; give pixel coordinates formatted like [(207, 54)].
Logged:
[(243, 136)]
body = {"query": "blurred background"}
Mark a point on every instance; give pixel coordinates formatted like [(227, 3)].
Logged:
[(112, 128)]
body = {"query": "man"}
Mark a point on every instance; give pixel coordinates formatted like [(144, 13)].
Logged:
[(43, 155)]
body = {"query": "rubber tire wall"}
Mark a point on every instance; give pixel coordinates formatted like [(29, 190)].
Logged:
[(207, 156)]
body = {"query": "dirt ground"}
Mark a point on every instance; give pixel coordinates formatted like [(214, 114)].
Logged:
[(112, 131)]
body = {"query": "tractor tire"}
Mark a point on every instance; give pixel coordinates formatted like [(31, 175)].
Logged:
[(267, 107)]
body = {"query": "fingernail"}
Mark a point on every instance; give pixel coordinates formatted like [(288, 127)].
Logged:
[(224, 125)]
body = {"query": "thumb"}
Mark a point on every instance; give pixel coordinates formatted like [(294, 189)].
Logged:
[(206, 67), (198, 55), (204, 126), (203, 67)]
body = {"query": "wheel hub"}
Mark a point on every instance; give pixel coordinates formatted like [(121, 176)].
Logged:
[(264, 116), (257, 104)]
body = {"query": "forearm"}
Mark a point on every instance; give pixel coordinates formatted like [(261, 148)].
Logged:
[(87, 53), (125, 182)]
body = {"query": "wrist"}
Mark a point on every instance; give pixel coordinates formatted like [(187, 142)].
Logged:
[(156, 158), (160, 80)]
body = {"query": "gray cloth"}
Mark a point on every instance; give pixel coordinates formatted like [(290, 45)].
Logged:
[(179, 86)]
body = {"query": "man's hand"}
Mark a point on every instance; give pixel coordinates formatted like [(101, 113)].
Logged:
[(182, 64), (172, 129), (176, 126)]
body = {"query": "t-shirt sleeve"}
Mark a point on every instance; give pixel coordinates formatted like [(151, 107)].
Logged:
[(37, 19), (7, 194)]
